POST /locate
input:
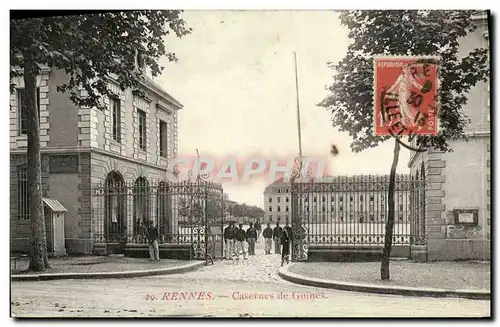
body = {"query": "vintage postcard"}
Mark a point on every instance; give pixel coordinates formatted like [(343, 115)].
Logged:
[(249, 164)]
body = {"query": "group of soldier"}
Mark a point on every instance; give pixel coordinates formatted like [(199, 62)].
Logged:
[(235, 238)]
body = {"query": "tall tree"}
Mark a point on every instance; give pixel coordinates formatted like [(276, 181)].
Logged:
[(418, 33), (89, 49)]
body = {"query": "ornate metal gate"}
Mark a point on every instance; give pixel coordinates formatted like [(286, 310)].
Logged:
[(299, 221), (199, 206), (188, 213), (352, 211)]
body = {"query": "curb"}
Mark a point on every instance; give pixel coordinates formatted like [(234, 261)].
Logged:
[(380, 289), (112, 274)]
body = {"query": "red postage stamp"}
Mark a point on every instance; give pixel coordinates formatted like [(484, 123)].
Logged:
[(405, 95)]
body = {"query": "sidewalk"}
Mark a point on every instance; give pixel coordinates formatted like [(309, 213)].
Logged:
[(100, 267), (469, 279)]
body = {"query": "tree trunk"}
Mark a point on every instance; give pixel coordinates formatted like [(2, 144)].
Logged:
[(37, 245), (389, 226)]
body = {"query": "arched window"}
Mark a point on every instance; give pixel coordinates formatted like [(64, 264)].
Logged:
[(114, 222), (164, 213), (141, 204)]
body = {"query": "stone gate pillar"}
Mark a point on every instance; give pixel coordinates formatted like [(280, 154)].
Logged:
[(435, 207), (429, 166)]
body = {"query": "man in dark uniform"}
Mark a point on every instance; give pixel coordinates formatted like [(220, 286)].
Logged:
[(229, 241), (268, 238), (285, 241), (288, 228), (240, 242), (251, 236), (276, 236), (258, 228), (154, 251), (290, 236)]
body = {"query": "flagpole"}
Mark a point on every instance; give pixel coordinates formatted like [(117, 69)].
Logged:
[(299, 132), (199, 164), (298, 104), (295, 218)]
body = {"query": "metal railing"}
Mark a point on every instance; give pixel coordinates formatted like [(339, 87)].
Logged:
[(352, 211), (188, 212)]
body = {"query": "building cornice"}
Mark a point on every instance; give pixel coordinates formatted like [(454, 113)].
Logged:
[(48, 150), (119, 156), (146, 82), (70, 149), (163, 106), (152, 86)]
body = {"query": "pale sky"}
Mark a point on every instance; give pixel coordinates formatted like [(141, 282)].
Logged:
[(235, 78)]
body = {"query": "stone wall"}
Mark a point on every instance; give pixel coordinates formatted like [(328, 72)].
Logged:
[(20, 229), (451, 184), (467, 188), (71, 189), (78, 227), (63, 114)]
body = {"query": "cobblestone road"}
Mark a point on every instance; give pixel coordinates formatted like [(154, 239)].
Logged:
[(248, 288)]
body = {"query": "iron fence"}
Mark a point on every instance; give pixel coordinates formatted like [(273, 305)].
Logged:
[(189, 213), (352, 211)]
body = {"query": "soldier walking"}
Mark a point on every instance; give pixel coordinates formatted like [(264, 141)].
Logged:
[(240, 242), (229, 232), (258, 228), (268, 238), (154, 251), (289, 229), (276, 236), (285, 240), (251, 236)]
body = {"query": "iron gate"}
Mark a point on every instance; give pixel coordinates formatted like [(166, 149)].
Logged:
[(352, 211), (185, 213), (199, 208)]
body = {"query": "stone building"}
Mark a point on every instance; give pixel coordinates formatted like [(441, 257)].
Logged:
[(458, 195), (277, 201), (338, 206), (131, 141)]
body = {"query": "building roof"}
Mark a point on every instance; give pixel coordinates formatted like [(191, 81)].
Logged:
[(336, 179), (149, 82), (278, 182), (54, 205), (353, 178)]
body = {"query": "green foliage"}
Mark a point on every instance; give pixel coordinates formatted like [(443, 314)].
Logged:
[(380, 32), (193, 210), (243, 210), (89, 48)]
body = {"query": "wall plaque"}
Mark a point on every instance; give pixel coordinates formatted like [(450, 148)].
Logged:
[(63, 164), (466, 217)]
